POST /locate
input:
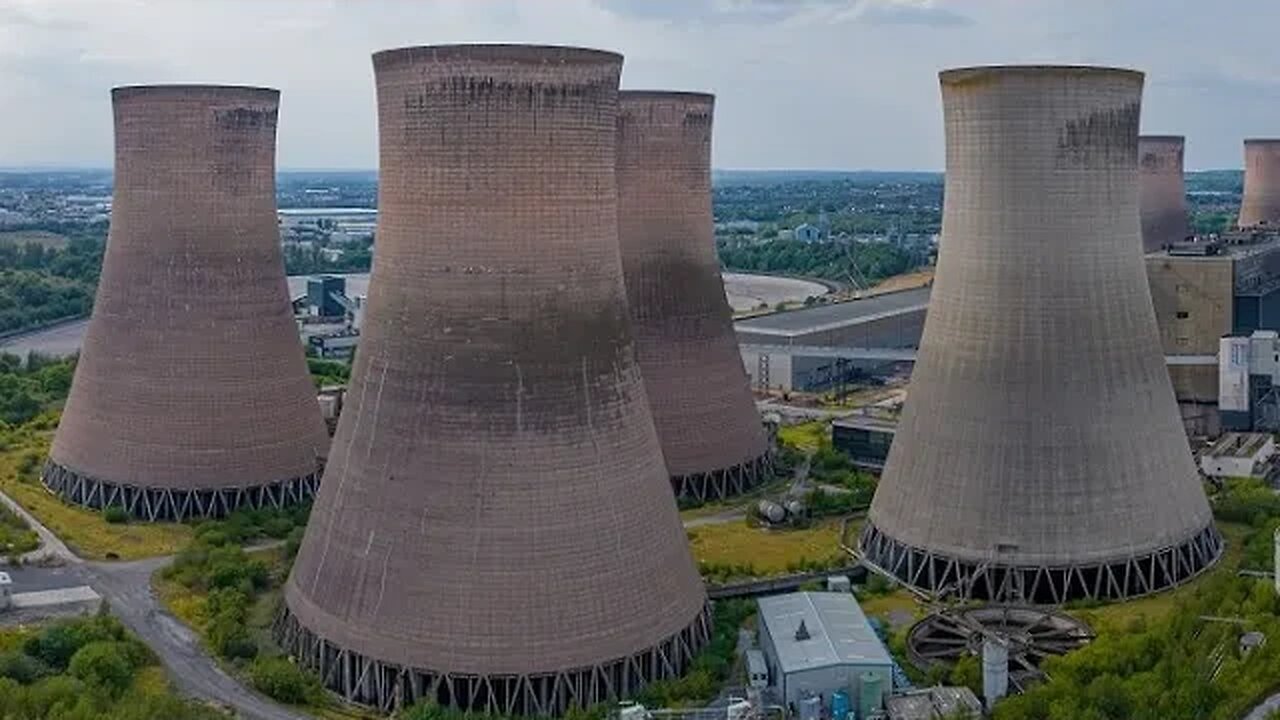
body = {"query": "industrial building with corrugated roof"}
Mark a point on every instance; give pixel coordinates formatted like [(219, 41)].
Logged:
[(818, 643)]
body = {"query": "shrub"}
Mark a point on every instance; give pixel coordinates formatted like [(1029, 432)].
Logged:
[(281, 680), (21, 667), (56, 644), (231, 639), (115, 515), (103, 664)]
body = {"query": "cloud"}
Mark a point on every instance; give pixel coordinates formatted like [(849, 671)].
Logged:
[(712, 12), (911, 13), (799, 83)]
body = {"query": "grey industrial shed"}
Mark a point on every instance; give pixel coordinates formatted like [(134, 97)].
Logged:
[(833, 649)]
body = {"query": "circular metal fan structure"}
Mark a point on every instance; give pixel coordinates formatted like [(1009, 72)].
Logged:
[(1031, 634)]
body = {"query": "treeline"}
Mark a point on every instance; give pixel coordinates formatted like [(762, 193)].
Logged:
[(40, 283), (85, 669), (1180, 665), (356, 256), (829, 260), (31, 387)]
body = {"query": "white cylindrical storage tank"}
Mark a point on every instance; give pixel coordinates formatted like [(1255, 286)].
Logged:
[(995, 670), (1276, 574)]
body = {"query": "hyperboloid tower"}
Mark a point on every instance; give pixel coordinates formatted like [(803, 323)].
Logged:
[(712, 436), (1260, 204), (1162, 197), (495, 530), (1040, 456), (191, 397)]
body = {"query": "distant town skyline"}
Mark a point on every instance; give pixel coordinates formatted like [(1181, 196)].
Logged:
[(800, 84)]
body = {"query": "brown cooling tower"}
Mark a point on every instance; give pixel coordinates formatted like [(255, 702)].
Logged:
[(495, 530), (1260, 204), (191, 397), (711, 433), (1162, 198), (1040, 456)]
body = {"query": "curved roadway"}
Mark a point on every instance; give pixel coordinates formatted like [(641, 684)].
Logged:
[(127, 589)]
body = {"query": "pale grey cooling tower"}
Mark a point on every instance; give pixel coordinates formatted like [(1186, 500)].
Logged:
[(1260, 203), (1162, 196), (1040, 456)]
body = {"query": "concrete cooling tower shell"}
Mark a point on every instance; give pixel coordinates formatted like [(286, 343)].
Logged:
[(191, 397), (1162, 196), (495, 530), (1040, 456), (711, 432), (1260, 204)]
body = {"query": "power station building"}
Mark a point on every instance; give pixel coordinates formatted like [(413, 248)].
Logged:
[(191, 397), (1039, 456), (712, 436), (1202, 292), (496, 529), (1260, 203), (1162, 197)]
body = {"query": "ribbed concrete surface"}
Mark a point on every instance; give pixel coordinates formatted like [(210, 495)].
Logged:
[(496, 500), (1041, 427), (1162, 196), (1261, 200), (191, 375), (701, 398)]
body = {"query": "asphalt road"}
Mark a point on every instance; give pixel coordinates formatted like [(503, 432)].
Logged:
[(127, 589), (33, 579)]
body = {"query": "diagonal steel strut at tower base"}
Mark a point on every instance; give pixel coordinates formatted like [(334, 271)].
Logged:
[(1040, 456)]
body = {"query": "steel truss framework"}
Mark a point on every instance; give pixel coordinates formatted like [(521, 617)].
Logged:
[(724, 483), (944, 576), (173, 504), (388, 687)]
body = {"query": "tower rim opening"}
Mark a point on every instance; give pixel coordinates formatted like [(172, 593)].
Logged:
[(523, 54)]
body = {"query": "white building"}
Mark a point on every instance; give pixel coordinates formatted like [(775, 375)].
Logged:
[(818, 643), (1239, 455)]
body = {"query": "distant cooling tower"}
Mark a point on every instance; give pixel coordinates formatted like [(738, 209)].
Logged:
[(711, 433), (495, 530), (1261, 201), (1040, 455), (1162, 196), (191, 397)]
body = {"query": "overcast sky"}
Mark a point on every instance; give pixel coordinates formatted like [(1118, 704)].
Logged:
[(837, 84)]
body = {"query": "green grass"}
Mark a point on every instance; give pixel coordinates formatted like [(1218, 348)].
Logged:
[(766, 551), (808, 436), (15, 537), (84, 531)]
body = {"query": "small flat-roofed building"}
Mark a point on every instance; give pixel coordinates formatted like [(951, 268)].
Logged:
[(1239, 455), (864, 438), (935, 703), (816, 643)]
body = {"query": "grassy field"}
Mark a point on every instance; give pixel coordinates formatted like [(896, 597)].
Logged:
[(84, 531), (807, 436), (43, 238), (767, 552), (15, 537)]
